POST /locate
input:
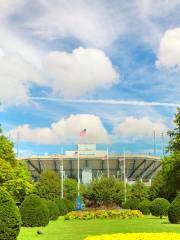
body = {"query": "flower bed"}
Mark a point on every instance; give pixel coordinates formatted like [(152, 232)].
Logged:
[(103, 214), (137, 236)]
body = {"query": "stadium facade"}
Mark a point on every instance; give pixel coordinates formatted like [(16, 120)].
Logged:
[(94, 163)]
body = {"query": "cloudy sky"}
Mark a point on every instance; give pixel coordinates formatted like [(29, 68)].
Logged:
[(112, 67)]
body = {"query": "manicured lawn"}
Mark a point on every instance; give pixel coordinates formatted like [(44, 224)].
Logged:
[(77, 230)]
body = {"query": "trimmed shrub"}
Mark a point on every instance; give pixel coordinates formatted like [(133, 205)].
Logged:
[(49, 185), (159, 207), (61, 206), (70, 189), (10, 218), (144, 206), (174, 211), (53, 210), (131, 204), (34, 212)]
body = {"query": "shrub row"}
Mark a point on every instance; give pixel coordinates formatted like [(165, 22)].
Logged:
[(36, 211), (103, 214)]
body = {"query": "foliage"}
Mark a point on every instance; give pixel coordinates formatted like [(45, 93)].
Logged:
[(104, 191), (174, 143), (131, 204), (69, 205), (6, 149), (103, 214), (158, 187), (144, 206), (139, 191), (16, 180), (174, 210), (10, 219), (53, 210), (34, 212), (49, 185), (61, 203), (159, 207), (70, 189), (136, 236)]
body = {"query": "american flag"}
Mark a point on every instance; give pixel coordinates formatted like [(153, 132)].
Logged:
[(83, 132)]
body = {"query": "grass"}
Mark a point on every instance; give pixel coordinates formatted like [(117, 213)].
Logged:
[(78, 230)]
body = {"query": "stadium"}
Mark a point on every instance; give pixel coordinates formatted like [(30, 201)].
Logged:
[(94, 163)]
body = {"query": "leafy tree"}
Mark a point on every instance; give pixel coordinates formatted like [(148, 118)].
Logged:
[(6, 150), (158, 187), (174, 143), (49, 185), (104, 191), (144, 206), (139, 191)]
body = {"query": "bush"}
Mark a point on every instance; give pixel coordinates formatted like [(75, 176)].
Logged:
[(69, 205), (131, 204), (53, 210), (49, 185), (70, 189), (144, 206), (34, 212), (10, 219), (139, 191), (174, 211), (159, 207), (61, 203)]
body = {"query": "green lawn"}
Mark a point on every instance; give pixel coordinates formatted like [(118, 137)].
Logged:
[(77, 230)]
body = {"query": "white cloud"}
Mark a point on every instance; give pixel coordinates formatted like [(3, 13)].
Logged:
[(66, 130), (139, 127), (169, 50), (83, 70), (16, 75)]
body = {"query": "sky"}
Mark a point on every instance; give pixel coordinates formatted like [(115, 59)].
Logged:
[(111, 67)]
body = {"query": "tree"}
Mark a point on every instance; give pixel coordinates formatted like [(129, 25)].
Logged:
[(70, 189), (6, 150), (159, 207), (139, 191), (174, 210), (104, 191), (49, 185), (174, 143)]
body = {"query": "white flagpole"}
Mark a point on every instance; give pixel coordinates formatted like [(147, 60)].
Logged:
[(78, 174), (107, 155), (62, 176), (124, 176)]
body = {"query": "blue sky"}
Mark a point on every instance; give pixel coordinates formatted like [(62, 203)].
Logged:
[(111, 67)]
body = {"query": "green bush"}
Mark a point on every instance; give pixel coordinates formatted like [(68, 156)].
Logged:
[(144, 206), (34, 212), (53, 210), (69, 205), (174, 211), (159, 207), (49, 185), (61, 206), (139, 191), (70, 189), (10, 219), (131, 204)]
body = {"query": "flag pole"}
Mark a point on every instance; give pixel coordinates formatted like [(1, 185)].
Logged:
[(124, 176), (62, 175), (78, 173), (107, 156)]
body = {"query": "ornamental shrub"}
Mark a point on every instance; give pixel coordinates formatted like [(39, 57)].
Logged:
[(34, 212), (53, 210), (159, 207), (131, 204), (174, 210), (69, 205), (70, 189), (61, 203), (144, 206), (49, 185), (10, 218)]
